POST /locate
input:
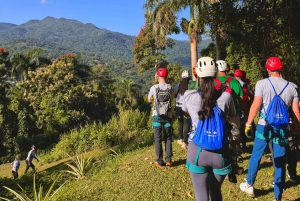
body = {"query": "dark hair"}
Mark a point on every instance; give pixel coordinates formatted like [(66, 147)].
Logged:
[(209, 97), (183, 85)]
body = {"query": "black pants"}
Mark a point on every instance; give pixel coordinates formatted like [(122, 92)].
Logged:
[(183, 125), (15, 174), (28, 165), (291, 156), (162, 132)]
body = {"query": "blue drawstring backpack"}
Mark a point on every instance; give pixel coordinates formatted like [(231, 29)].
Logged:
[(210, 133), (277, 114)]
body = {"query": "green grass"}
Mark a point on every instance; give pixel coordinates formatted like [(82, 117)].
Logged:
[(132, 176)]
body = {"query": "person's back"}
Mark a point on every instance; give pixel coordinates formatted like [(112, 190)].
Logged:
[(162, 122), (15, 166), (264, 89), (269, 132), (182, 117), (200, 162)]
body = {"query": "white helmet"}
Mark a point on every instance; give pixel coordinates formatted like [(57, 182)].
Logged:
[(185, 74), (222, 65), (206, 67)]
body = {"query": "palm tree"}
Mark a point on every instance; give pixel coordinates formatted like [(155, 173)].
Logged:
[(23, 63), (127, 93), (192, 27)]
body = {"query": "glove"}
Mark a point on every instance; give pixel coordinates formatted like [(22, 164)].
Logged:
[(248, 131)]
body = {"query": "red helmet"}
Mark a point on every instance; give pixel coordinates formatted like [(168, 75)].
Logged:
[(238, 73), (162, 72), (273, 64)]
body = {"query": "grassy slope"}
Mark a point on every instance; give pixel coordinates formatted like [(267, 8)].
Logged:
[(132, 176)]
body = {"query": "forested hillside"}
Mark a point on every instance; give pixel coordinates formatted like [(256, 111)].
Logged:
[(61, 36)]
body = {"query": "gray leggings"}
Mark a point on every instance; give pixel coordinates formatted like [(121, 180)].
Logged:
[(207, 184)]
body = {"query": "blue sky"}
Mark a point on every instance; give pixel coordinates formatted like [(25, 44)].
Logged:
[(124, 16)]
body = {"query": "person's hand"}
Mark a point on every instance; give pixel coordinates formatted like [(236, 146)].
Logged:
[(248, 131)]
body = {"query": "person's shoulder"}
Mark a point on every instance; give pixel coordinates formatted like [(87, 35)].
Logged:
[(265, 80), (233, 80), (190, 92), (192, 85), (293, 85), (153, 87), (225, 95)]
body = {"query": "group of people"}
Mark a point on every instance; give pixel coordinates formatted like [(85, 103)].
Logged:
[(15, 165), (239, 103)]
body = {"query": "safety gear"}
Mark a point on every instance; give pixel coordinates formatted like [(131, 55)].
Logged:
[(162, 72), (238, 73), (273, 64), (32, 146), (185, 74), (248, 131), (206, 67), (222, 65)]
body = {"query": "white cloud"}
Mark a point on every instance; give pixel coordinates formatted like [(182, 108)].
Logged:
[(43, 1)]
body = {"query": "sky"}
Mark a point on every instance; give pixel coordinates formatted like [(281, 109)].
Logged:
[(124, 16)]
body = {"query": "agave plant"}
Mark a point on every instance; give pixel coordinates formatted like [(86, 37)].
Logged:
[(38, 194), (81, 165)]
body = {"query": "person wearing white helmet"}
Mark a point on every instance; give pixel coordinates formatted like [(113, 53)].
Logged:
[(223, 69), (199, 104), (238, 97), (183, 118)]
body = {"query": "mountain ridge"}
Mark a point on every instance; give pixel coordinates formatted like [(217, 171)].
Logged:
[(69, 34)]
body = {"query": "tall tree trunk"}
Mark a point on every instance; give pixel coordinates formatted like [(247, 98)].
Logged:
[(193, 45), (218, 47)]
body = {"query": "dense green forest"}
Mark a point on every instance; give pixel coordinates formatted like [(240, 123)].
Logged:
[(70, 88), (67, 73), (96, 46)]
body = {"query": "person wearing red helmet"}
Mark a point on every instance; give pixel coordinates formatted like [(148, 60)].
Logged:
[(162, 94), (248, 98), (264, 93), (240, 75)]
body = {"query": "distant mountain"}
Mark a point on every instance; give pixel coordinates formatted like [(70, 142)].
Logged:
[(4, 26), (60, 36)]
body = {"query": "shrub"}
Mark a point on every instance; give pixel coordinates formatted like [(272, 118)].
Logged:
[(127, 126)]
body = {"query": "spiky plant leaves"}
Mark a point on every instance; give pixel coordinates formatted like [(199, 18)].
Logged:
[(38, 193), (81, 165)]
